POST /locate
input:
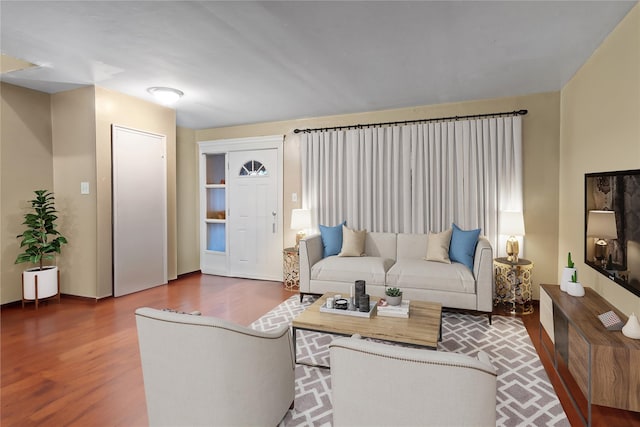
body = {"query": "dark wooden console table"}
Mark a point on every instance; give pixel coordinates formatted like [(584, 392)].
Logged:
[(604, 364)]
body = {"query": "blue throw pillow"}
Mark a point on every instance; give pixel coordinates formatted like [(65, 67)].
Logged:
[(331, 239), (463, 246)]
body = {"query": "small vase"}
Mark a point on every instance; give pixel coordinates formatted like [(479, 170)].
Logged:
[(632, 328), (575, 289), (393, 300), (566, 278)]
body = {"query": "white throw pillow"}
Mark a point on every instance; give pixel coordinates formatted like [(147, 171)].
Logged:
[(352, 242), (438, 246)]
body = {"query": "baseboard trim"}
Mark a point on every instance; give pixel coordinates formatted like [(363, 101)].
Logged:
[(48, 300), (183, 275)]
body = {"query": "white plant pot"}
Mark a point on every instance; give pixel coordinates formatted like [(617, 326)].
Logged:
[(566, 278), (393, 300), (47, 282), (575, 289)]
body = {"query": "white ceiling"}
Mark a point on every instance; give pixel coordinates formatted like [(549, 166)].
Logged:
[(249, 62)]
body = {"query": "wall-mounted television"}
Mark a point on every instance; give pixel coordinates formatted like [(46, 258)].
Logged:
[(612, 226)]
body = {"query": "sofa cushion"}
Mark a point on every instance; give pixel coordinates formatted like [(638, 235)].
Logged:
[(349, 269), (331, 239), (421, 274), (463, 245), (412, 246), (352, 242), (438, 246), (383, 245)]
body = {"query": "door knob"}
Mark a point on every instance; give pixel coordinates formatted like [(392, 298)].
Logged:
[(273, 226)]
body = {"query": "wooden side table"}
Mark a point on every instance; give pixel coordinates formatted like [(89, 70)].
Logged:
[(291, 269), (513, 285)]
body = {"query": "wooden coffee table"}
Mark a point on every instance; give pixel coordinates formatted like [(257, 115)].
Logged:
[(423, 327)]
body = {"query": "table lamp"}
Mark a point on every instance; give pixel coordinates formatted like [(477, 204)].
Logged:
[(512, 224), (301, 221), (601, 225)]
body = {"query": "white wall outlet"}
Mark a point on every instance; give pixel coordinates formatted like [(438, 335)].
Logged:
[(84, 187), (294, 197)]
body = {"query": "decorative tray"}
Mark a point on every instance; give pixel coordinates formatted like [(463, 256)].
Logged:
[(355, 313)]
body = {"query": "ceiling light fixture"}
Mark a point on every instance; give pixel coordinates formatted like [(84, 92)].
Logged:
[(165, 95)]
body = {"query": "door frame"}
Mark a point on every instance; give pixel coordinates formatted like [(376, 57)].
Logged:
[(248, 144)]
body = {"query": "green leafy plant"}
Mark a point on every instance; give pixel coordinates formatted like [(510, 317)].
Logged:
[(41, 238), (570, 263), (393, 292), (574, 278)]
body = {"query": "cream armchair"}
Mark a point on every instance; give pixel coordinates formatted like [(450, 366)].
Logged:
[(205, 371), (384, 385)]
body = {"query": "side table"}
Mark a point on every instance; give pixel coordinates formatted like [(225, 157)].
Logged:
[(513, 285), (291, 269)]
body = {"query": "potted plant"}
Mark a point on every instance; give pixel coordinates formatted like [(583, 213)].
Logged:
[(393, 296), (574, 288), (41, 241), (567, 273)]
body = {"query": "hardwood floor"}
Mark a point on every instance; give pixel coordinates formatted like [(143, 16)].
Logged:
[(77, 363)]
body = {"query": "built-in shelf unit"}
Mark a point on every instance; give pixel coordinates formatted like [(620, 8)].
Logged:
[(213, 202)]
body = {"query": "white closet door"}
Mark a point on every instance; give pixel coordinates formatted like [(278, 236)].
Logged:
[(139, 210)]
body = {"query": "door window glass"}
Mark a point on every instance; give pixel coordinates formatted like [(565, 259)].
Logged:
[(253, 168)]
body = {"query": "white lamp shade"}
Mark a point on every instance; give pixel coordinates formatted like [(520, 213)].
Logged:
[(602, 224), (511, 223), (300, 219)]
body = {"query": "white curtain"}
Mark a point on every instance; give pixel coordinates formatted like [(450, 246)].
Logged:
[(415, 178)]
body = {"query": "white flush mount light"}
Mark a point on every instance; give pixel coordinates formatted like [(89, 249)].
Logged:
[(165, 95)]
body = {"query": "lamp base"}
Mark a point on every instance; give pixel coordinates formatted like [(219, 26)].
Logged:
[(299, 236), (601, 252), (513, 247)]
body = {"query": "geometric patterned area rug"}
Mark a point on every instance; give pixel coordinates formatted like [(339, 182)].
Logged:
[(525, 396)]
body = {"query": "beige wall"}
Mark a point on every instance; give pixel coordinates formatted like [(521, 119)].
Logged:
[(123, 110), (187, 195), (600, 118), (74, 160), (541, 132), (25, 166), (57, 142)]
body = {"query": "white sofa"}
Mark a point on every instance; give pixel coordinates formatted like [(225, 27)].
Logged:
[(204, 371), (397, 260), (383, 385)]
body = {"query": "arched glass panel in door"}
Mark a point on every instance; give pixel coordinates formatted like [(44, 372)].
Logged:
[(253, 168)]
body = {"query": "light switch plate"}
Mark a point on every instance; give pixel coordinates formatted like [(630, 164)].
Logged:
[(294, 197), (84, 187)]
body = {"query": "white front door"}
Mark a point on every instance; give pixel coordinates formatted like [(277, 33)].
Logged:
[(255, 224)]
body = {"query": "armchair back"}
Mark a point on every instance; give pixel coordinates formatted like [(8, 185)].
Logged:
[(380, 384), (206, 371)]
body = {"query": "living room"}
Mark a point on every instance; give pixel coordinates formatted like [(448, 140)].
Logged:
[(589, 125)]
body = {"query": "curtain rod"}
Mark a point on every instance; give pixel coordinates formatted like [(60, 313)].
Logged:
[(404, 122)]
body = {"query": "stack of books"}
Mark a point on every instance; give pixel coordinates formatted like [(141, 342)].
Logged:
[(401, 310)]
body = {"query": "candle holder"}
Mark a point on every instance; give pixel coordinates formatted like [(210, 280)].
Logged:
[(363, 303), (341, 304), (360, 286)]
